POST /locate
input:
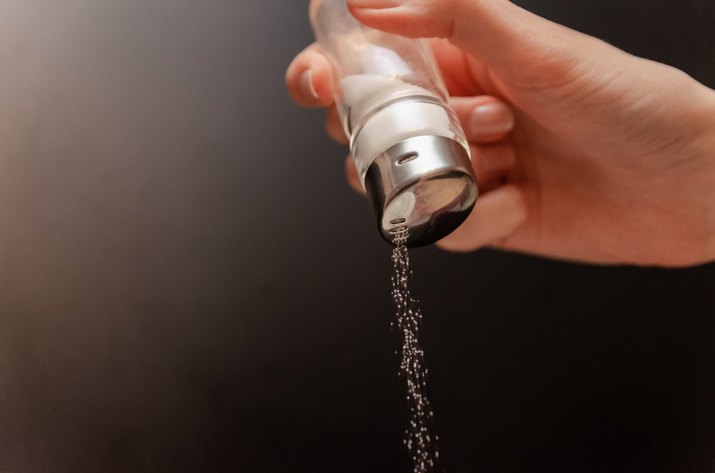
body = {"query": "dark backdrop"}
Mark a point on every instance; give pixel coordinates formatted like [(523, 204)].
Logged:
[(187, 284)]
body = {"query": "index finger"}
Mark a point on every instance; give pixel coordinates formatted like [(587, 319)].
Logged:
[(464, 76)]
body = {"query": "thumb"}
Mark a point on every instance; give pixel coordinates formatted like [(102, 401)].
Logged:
[(513, 42)]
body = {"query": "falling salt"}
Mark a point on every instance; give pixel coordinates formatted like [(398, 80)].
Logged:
[(421, 445)]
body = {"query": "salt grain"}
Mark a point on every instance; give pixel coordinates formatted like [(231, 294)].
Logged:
[(420, 444)]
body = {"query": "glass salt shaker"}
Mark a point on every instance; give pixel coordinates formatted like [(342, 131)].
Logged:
[(409, 149)]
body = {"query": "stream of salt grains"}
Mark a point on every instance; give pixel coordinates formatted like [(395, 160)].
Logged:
[(420, 442)]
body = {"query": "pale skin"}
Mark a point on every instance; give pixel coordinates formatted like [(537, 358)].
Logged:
[(583, 152)]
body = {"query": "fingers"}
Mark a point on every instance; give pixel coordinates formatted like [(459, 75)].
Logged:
[(485, 119), (352, 175), (309, 78), (513, 41), (486, 122), (497, 216), (482, 26), (492, 163), (462, 76)]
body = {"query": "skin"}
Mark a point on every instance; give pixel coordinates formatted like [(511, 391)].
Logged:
[(583, 152)]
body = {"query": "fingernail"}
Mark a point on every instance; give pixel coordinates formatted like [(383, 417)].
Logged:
[(374, 3), (306, 86), (491, 118)]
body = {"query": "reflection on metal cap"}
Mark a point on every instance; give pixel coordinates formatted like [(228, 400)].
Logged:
[(424, 184)]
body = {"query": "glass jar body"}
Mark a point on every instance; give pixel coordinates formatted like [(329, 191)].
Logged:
[(388, 88)]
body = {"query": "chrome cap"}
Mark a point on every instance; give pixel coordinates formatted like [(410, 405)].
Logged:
[(425, 185)]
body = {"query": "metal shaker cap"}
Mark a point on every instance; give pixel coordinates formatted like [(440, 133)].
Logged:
[(425, 185)]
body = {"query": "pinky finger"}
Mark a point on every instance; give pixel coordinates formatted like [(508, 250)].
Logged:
[(352, 175), (496, 218)]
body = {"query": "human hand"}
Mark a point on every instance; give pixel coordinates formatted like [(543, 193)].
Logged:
[(612, 157)]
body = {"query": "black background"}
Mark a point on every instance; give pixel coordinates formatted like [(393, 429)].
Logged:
[(187, 284)]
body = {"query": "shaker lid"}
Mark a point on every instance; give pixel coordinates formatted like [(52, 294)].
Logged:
[(423, 187)]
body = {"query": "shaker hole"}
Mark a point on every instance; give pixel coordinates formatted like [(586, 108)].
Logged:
[(398, 221), (406, 158)]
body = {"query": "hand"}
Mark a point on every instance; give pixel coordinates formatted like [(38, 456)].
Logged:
[(613, 155)]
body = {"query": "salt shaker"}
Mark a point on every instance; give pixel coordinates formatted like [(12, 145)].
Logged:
[(409, 148)]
